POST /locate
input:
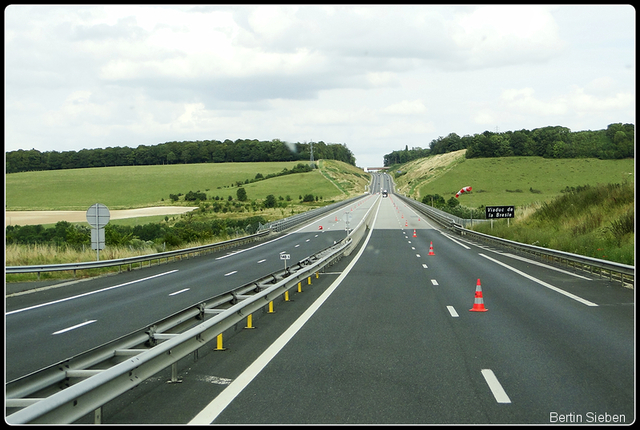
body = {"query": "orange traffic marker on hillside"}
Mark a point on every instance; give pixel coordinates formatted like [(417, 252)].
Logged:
[(431, 249), (478, 302)]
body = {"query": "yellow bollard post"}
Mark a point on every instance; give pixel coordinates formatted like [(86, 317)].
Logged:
[(309, 280), (317, 275), (299, 287), (219, 343), (250, 321), (271, 311), (286, 296)]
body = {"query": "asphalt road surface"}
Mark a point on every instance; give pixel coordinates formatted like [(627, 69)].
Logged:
[(383, 337)]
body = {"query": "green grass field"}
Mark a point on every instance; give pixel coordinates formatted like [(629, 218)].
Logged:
[(508, 181), (144, 186)]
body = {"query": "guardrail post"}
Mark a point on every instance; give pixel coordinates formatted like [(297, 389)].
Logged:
[(174, 373), (97, 416)]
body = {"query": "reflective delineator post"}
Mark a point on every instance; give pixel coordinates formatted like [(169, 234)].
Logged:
[(219, 343), (478, 302), (250, 321)]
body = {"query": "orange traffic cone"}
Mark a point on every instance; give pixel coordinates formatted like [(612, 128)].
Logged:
[(478, 303), (414, 233), (406, 223), (431, 249)]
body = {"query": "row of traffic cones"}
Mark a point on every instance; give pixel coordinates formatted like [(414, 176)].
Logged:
[(478, 303)]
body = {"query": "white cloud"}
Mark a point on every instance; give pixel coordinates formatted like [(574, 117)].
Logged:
[(523, 101), (405, 107), (492, 36), (97, 76), (576, 100)]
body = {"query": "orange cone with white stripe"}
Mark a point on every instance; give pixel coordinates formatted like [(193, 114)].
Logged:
[(414, 233), (431, 249), (478, 303)]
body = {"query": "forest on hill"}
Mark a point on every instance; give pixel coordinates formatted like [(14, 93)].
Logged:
[(616, 142), (187, 152)]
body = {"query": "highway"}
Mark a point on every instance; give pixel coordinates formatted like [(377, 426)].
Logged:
[(385, 337), (49, 326)]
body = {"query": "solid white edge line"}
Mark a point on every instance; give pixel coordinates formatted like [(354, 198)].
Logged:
[(64, 330), (494, 385), (452, 311), (537, 263), (453, 240), (544, 284), (217, 405), (89, 293)]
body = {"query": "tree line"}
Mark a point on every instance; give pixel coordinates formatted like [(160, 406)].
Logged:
[(615, 142), (186, 152)]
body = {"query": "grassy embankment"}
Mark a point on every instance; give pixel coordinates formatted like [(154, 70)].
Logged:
[(146, 186), (596, 221)]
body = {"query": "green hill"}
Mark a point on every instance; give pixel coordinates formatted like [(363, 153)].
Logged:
[(584, 206), (128, 187), (514, 181)]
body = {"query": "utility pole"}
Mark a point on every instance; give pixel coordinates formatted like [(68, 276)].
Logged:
[(311, 151)]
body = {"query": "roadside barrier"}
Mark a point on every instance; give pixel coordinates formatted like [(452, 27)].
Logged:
[(263, 232), (623, 272), (80, 385)]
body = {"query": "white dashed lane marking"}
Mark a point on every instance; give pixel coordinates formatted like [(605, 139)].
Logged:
[(64, 330)]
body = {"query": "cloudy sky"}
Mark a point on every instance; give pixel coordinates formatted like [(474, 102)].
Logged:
[(375, 78)]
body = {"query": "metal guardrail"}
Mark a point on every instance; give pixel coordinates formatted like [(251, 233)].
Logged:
[(139, 259), (624, 272), (69, 390), (286, 223), (264, 230)]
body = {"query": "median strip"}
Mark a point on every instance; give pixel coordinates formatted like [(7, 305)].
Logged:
[(217, 405)]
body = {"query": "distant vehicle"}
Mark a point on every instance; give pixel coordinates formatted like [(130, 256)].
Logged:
[(385, 193)]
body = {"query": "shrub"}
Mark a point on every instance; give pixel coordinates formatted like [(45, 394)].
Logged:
[(241, 194)]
